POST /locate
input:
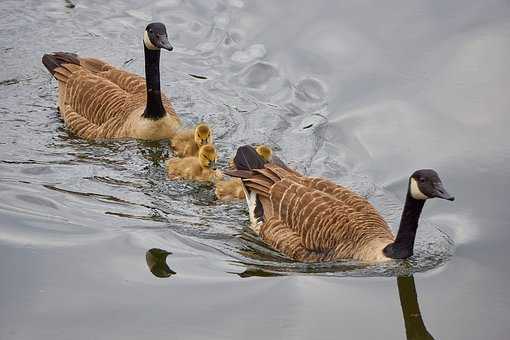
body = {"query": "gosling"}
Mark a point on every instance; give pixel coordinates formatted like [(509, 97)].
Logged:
[(201, 168), (187, 142)]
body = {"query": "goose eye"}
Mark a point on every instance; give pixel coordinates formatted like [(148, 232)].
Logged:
[(421, 179), (150, 31)]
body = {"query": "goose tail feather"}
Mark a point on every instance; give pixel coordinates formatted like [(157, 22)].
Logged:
[(54, 60), (247, 158)]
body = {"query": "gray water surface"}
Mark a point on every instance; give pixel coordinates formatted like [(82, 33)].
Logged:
[(360, 92)]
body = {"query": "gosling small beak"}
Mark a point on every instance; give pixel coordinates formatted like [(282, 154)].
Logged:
[(164, 43), (212, 165), (440, 192)]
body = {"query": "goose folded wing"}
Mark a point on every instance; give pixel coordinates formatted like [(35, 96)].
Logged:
[(97, 99), (129, 82), (279, 236), (324, 223), (353, 200)]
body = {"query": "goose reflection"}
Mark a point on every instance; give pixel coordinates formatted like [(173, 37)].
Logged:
[(153, 151), (256, 272), (156, 260), (415, 328)]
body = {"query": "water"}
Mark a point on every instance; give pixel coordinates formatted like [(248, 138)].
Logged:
[(358, 92)]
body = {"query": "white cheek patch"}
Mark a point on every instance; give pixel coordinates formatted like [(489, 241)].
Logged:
[(416, 192), (147, 42)]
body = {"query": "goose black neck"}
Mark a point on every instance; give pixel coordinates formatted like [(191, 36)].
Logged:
[(403, 246), (154, 108), (415, 327)]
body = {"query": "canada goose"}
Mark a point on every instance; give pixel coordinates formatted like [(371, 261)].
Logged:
[(312, 219), (201, 168), (97, 100), (232, 189), (185, 143)]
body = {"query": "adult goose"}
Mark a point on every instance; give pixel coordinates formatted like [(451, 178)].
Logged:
[(311, 219), (99, 101)]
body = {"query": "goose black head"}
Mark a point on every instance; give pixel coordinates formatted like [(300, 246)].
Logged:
[(425, 184), (155, 37)]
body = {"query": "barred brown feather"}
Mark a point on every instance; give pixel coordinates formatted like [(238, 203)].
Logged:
[(312, 219)]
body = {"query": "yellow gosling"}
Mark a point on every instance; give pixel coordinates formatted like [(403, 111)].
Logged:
[(187, 142), (229, 190), (201, 168), (265, 152)]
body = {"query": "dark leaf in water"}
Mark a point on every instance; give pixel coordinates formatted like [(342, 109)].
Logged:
[(197, 76), (129, 61), (9, 82)]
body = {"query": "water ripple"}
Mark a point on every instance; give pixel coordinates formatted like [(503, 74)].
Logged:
[(214, 75)]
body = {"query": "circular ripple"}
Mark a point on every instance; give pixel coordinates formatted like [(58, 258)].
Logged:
[(310, 90)]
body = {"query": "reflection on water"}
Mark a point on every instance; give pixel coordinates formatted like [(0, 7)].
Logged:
[(414, 325), (415, 328), (252, 252), (156, 260)]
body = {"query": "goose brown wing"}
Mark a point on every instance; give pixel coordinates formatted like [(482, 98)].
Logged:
[(279, 236), (281, 179), (129, 82), (339, 192), (326, 186), (92, 106), (325, 224)]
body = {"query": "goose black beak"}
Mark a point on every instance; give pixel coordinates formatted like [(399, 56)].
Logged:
[(164, 43), (440, 192)]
